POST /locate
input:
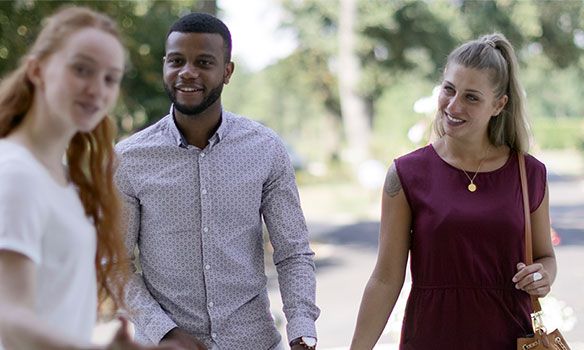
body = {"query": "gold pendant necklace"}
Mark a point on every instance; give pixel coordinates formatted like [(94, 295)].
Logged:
[(472, 187)]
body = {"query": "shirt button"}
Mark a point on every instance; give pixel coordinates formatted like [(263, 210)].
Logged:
[(202, 155), (204, 191), (213, 335), (207, 267), (211, 304), (206, 229)]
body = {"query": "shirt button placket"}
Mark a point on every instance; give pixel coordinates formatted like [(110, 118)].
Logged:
[(205, 238)]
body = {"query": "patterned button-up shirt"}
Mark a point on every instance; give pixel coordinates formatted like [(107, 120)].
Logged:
[(196, 217)]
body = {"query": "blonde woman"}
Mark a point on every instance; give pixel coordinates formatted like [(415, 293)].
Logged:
[(455, 207)]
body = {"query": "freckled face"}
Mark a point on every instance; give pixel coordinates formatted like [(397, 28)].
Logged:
[(79, 83), (467, 102)]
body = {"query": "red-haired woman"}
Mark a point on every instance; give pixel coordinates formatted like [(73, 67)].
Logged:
[(61, 251)]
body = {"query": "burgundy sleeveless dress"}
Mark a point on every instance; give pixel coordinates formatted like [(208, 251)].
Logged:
[(464, 251)]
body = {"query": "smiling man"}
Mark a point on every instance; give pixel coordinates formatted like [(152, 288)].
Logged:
[(198, 186)]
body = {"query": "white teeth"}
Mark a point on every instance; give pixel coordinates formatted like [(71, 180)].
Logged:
[(452, 119), (188, 89)]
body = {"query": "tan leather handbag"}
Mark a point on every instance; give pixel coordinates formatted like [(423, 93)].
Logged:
[(541, 339)]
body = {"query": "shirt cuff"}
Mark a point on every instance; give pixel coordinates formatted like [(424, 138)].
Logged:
[(157, 328), (300, 327)]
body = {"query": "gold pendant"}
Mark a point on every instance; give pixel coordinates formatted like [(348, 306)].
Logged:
[(472, 187)]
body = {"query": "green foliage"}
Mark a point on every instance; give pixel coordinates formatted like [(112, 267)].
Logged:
[(560, 22), (285, 101), (406, 37), (551, 92), (559, 133), (403, 45), (143, 25), (394, 36), (395, 116), (316, 25), (484, 17)]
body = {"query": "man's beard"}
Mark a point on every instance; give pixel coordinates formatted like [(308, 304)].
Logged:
[(198, 109)]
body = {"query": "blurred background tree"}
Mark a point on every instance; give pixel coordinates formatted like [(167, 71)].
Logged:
[(403, 45), (382, 56), (143, 24)]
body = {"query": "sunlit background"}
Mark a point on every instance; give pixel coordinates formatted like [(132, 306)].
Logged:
[(350, 85)]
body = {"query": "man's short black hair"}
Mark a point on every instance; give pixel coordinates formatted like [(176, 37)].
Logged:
[(198, 22)]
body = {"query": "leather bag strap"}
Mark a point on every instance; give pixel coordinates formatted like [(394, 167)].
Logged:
[(528, 240)]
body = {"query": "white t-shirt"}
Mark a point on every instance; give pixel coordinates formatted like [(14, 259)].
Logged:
[(46, 222)]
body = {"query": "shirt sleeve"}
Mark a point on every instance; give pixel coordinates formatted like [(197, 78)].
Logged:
[(144, 311), (292, 254), (22, 212)]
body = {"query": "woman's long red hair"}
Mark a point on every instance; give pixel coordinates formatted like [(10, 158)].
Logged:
[(90, 156)]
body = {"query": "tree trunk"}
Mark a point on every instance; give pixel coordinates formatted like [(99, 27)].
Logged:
[(206, 6), (356, 120)]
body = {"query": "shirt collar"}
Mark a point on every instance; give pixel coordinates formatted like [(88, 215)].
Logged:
[(180, 139)]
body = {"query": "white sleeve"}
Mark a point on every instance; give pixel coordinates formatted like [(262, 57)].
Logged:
[(21, 211)]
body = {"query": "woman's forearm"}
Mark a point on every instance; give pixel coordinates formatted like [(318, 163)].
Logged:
[(378, 301), (20, 329)]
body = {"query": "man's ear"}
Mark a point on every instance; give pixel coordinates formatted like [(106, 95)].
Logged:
[(229, 68)]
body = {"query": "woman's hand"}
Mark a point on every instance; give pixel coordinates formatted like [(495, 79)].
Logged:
[(177, 336), (123, 341), (532, 279)]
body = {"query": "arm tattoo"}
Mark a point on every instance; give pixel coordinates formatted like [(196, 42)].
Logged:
[(392, 184)]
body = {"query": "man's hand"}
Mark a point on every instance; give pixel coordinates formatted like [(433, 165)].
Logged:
[(298, 343), (298, 347), (181, 338)]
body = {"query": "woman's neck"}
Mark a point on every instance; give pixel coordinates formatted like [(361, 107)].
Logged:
[(46, 143), (471, 152)]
